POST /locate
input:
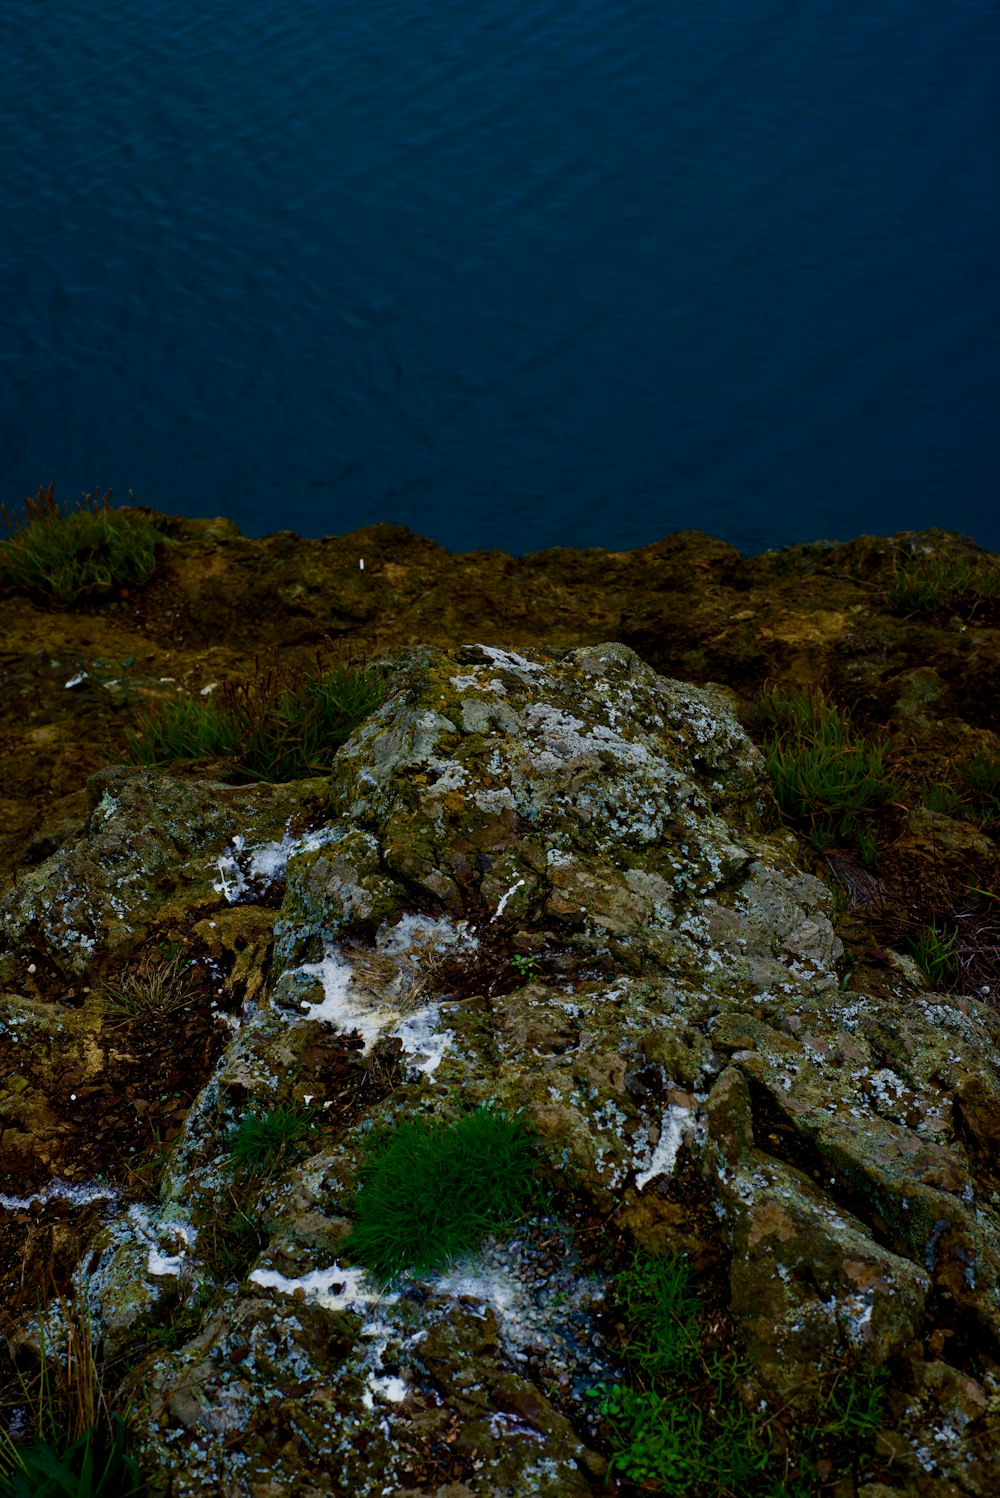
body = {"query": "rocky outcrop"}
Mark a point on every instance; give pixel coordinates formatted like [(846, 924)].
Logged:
[(675, 999)]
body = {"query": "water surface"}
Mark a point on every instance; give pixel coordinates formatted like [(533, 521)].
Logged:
[(574, 272)]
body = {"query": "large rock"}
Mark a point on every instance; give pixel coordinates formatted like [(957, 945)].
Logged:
[(674, 992)]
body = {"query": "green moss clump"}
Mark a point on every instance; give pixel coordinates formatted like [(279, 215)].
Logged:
[(433, 1191)]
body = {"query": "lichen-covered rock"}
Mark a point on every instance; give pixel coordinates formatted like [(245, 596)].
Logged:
[(555, 882), (154, 849)]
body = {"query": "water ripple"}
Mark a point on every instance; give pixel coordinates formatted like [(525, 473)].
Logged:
[(485, 270)]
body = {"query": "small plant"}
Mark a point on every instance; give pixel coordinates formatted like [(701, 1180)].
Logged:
[(74, 1445), (657, 1441), (824, 775), (982, 772), (62, 556), (85, 1468), (182, 729), (850, 960), (856, 1414), (181, 1321), (526, 968), (263, 1139), (433, 1191), (151, 991), (840, 893), (683, 1429), (666, 1442), (276, 726), (680, 1427), (934, 953), (234, 1240), (867, 841)]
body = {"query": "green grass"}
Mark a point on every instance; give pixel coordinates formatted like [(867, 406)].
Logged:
[(431, 1192), (61, 556), (266, 1138), (825, 775), (926, 583), (84, 1468), (657, 1297), (679, 1426), (278, 725), (941, 797), (934, 952), (667, 1443), (977, 797), (183, 729), (981, 775)]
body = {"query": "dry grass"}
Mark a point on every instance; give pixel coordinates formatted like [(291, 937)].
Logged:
[(151, 991), (59, 1434)]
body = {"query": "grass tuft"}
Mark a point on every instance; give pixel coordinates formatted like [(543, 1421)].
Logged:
[(934, 953), (941, 797), (275, 726), (183, 729), (431, 1192), (151, 991), (62, 556), (825, 775), (657, 1296), (265, 1139), (982, 778)]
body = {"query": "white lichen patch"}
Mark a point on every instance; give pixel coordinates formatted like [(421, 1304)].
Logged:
[(335, 1288), (371, 1011), (390, 1387), (169, 1241), (677, 1122), (502, 902), (509, 660), (342, 1008), (77, 1194), (414, 936), (422, 1039), (245, 867), (555, 1311)]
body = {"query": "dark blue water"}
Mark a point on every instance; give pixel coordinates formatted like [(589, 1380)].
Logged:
[(576, 272)]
